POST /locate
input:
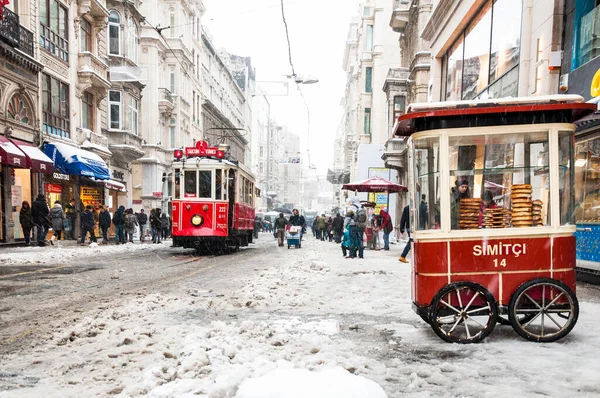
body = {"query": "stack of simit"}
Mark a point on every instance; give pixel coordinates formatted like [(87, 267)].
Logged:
[(520, 197)]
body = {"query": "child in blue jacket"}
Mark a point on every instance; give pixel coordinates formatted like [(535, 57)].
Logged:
[(346, 240)]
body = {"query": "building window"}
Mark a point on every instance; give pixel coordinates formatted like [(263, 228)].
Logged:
[(18, 110), (133, 115), (172, 133), (85, 36), (369, 38), (132, 40), (586, 37), (53, 29), (172, 23), (55, 107), (369, 79), (261, 151), (483, 62), (367, 122), (87, 111), (114, 33), (399, 107), (114, 105), (172, 82)]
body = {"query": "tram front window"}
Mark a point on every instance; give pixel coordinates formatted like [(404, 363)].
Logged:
[(427, 177), (189, 184), (499, 180), (204, 184)]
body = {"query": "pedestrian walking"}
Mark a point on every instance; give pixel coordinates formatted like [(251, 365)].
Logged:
[(385, 226), (155, 225), (70, 217), (298, 220), (405, 226), (26, 220), (280, 224), (119, 222), (345, 240), (142, 221), (338, 228), (40, 213), (88, 224), (322, 227), (315, 227), (57, 217), (357, 232), (164, 225), (130, 224), (104, 222)]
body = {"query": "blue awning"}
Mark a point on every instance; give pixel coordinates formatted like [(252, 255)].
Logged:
[(71, 160)]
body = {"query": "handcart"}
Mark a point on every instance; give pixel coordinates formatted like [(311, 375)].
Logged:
[(497, 243), (293, 237)]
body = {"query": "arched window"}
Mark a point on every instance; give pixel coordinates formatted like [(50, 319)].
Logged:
[(114, 33), (18, 110), (132, 39)]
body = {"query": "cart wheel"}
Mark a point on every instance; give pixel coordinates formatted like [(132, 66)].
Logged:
[(463, 312), (543, 310), (289, 246)]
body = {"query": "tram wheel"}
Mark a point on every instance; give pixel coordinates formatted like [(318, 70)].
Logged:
[(543, 310), (463, 312)]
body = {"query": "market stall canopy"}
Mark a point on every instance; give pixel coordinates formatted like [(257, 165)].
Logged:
[(375, 184), (70, 160), (10, 154), (36, 159)]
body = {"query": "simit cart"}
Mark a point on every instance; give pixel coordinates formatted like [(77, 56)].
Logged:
[(293, 237), (496, 244)]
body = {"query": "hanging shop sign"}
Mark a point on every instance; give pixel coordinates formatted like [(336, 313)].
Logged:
[(60, 176), (157, 194)]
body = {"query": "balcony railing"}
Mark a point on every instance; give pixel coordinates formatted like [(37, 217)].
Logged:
[(14, 34), (400, 15)]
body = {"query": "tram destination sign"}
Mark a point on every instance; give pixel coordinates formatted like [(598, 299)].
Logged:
[(201, 149)]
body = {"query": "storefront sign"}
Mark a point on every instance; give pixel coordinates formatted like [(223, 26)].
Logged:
[(59, 176), (118, 175), (585, 80), (136, 201), (16, 196), (157, 194), (53, 188)]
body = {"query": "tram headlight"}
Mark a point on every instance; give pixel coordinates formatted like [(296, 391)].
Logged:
[(197, 220)]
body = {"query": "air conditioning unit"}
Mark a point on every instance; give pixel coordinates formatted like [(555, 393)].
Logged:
[(563, 83)]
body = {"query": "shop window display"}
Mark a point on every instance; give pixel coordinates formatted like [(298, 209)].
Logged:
[(587, 182)]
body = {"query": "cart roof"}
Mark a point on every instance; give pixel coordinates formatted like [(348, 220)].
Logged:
[(492, 112)]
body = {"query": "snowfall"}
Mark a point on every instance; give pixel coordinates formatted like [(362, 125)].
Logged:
[(307, 323)]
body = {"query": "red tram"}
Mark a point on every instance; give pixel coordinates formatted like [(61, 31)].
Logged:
[(497, 238), (213, 200)]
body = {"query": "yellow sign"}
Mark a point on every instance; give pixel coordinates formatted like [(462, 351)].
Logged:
[(595, 87), (91, 196)]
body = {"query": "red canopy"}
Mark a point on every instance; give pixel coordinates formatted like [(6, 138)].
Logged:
[(374, 184)]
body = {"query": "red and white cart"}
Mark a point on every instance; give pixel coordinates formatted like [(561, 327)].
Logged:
[(510, 259)]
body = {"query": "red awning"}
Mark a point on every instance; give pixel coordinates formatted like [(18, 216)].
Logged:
[(37, 160), (10, 154)]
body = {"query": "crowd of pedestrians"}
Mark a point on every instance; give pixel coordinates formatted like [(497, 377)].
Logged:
[(38, 219)]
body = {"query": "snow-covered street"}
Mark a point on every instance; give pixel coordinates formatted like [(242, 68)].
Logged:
[(273, 322)]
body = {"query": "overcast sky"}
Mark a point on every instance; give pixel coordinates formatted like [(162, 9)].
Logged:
[(317, 30)]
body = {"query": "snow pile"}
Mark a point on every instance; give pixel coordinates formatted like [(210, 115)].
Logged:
[(68, 254), (300, 383)]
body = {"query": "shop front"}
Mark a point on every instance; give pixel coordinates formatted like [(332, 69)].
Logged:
[(22, 169), (79, 175)]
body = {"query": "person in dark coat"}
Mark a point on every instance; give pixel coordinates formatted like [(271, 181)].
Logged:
[(26, 220), (164, 225), (338, 228), (70, 217), (405, 226), (156, 225), (142, 221), (40, 213), (423, 213), (104, 222), (119, 222), (298, 220), (88, 224), (280, 224)]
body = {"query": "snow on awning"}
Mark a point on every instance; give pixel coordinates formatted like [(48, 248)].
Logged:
[(10, 154), (36, 159), (115, 185), (71, 160)]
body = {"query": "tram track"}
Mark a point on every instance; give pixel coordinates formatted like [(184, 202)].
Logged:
[(67, 306)]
